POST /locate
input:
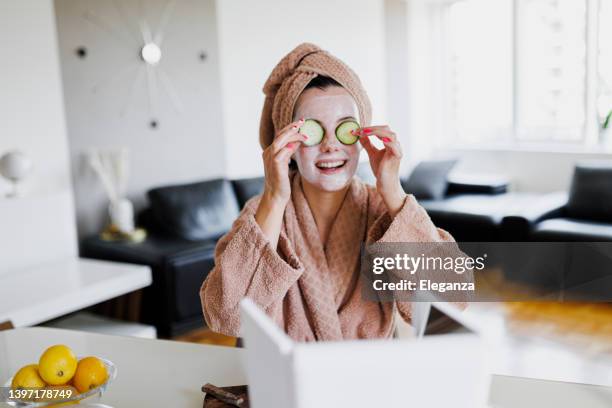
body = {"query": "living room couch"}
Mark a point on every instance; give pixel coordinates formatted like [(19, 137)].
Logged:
[(184, 223)]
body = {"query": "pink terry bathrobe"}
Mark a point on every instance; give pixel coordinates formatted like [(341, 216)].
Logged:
[(311, 291)]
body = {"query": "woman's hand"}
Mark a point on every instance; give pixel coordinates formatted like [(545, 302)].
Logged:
[(385, 165), (277, 189), (276, 162)]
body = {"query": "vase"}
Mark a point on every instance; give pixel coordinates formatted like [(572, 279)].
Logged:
[(122, 215)]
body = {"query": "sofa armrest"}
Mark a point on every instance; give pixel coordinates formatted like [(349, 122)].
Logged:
[(519, 223), (549, 206)]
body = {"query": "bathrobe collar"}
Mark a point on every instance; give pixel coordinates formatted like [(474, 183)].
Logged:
[(330, 273)]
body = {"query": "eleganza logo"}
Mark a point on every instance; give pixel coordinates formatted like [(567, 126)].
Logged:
[(487, 271)]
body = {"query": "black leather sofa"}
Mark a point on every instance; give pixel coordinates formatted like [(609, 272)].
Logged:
[(476, 208), (586, 216), (184, 223), (487, 212)]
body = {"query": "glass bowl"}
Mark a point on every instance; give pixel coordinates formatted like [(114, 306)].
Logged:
[(112, 373)]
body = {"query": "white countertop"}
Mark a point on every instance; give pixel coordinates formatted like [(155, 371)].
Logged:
[(150, 373), (161, 373), (34, 295), (531, 354)]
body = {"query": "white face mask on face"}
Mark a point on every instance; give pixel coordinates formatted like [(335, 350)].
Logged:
[(330, 165)]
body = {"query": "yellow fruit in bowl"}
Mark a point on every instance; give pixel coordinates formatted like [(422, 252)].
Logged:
[(90, 373), (27, 377), (57, 365)]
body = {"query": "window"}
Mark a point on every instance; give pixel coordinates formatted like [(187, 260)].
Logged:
[(480, 75), (604, 100), (519, 71), (551, 65)]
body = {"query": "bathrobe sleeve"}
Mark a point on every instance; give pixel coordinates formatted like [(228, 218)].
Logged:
[(246, 265), (410, 224)]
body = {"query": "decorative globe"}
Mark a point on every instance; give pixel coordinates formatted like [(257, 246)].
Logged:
[(15, 165)]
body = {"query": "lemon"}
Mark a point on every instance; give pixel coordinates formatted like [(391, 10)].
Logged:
[(27, 377), (90, 373), (57, 365)]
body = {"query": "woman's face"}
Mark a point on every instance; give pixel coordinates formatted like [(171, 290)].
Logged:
[(330, 165)]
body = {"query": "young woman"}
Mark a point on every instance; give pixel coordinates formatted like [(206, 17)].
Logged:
[(295, 249)]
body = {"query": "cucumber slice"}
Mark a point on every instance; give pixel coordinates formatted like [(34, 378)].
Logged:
[(343, 132), (313, 130)]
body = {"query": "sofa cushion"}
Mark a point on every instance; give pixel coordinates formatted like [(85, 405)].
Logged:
[(568, 229), (591, 193), (197, 211), (474, 217), (247, 188), (477, 184), (428, 179), (483, 217)]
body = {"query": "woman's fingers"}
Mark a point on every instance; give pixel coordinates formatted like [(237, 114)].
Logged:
[(293, 125), (393, 146), (284, 154), (382, 132), (289, 134), (386, 135), (283, 140), (394, 150)]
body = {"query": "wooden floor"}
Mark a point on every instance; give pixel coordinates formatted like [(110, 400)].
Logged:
[(206, 336)]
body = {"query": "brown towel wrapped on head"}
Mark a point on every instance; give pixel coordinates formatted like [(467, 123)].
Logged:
[(289, 78)]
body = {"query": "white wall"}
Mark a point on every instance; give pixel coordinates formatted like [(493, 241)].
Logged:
[(255, 35), (31, 106), (398, 71), (39, 227), (188, 145)]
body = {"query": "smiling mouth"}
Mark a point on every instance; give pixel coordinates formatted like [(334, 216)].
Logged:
[(331, 165)]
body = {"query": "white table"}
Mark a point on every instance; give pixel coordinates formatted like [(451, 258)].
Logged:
[(34, 295), (150, 373), (160, 373), (531, 354)]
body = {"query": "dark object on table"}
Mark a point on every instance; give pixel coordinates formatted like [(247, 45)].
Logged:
[(183, 223), (113, 233), (226, 397), (7, 325)]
